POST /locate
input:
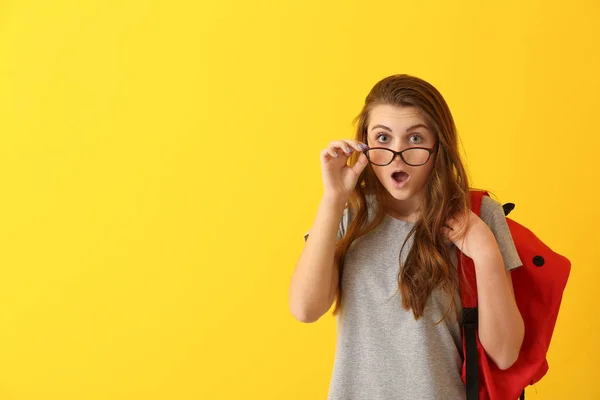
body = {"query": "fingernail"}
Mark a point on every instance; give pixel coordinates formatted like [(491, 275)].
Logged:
[(362, 146), (348, 150)]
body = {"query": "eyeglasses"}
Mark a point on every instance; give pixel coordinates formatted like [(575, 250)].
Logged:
[(413, 156)]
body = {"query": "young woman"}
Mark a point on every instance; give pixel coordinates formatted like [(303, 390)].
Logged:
[(383, 245)]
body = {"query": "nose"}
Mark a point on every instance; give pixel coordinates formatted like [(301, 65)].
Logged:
[(399, 157)]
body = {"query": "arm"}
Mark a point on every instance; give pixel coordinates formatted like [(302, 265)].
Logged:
[(315, 279), (488, 242), (501, 327)]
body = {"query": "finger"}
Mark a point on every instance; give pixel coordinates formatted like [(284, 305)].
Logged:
[(358, 146), (333, 153), (327, 154), (447, 233), (340, 144), (450, 223), (453, 219), (361, 163), (347, 146)]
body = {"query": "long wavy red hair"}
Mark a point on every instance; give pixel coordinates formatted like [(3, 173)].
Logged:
[(428, 264)]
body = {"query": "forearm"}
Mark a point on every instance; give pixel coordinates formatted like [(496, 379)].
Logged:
[(314, 277), (501, 326)]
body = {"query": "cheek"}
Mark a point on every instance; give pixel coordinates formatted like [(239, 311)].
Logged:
[(421, 174), (379, 172)]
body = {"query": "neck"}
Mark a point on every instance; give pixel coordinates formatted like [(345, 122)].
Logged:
[(406, 210)]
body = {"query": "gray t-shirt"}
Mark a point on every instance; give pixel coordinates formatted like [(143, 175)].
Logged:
[(382, 352)]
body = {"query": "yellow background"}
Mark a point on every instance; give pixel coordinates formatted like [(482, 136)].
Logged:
[(160, 165)]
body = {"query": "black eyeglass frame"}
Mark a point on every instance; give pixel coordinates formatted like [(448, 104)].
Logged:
[(399, 153)]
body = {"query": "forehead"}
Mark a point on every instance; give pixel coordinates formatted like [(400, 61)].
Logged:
[(396, 118)]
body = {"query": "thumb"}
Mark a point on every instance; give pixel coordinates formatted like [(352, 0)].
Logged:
[(361, 163)]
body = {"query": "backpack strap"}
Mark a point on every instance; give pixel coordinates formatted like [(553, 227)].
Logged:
[(468, 289)]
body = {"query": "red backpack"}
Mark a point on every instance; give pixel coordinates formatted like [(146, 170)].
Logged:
[(539, 286)]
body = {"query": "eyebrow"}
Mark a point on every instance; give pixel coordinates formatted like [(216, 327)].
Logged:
[(407, 130)]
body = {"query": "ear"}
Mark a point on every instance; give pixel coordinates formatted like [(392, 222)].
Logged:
[(508, 207)]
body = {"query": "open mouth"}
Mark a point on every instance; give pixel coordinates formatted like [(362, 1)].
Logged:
[(400, 176)]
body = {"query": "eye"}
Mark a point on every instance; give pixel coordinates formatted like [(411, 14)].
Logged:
[(380, 134), (419, 137)]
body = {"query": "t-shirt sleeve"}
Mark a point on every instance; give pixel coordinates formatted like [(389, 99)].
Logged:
[(493, 215), (342, 226)]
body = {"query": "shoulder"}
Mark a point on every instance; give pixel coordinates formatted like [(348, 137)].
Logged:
[(492, 213), (491, 210)]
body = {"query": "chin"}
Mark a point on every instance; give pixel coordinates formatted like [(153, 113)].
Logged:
[(399, 194)]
